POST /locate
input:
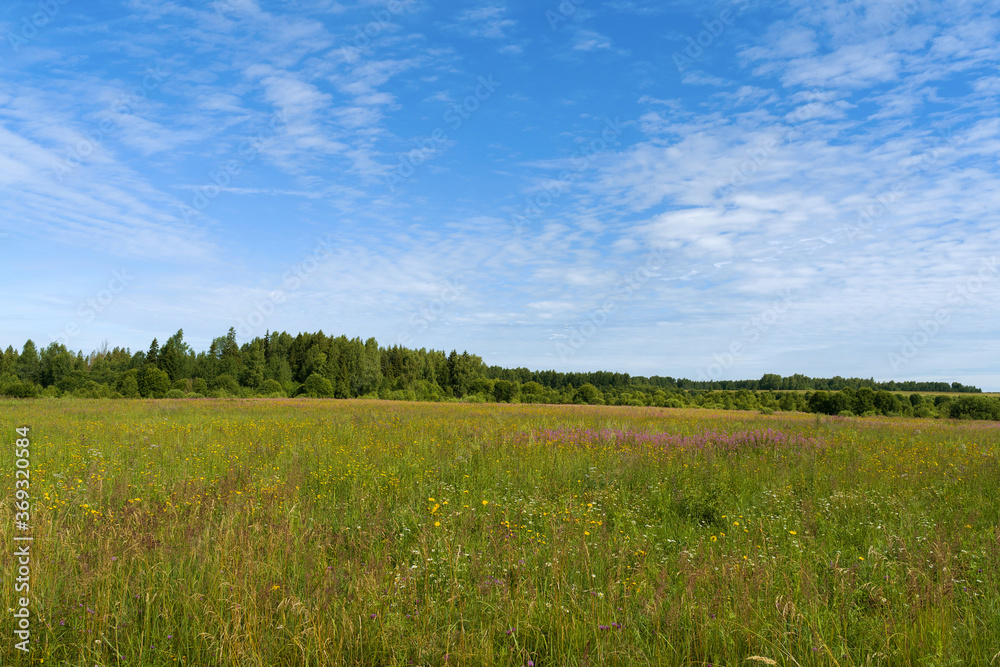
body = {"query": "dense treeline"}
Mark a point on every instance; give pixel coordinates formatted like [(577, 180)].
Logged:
[(317, 365)]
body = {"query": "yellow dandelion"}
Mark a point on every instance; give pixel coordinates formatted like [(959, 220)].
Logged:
[(486, 502), (437, 523), (792, 532)]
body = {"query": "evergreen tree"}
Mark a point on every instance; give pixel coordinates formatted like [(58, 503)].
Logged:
[(369, 370), (27, 362), (229, 354), (462, 369), (154, 353), (173, 356), (8, 362), (252, 374)]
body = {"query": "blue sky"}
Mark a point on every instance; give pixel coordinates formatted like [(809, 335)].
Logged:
[(695, 189)]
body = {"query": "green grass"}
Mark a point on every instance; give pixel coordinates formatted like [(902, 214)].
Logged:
[(310, 532)]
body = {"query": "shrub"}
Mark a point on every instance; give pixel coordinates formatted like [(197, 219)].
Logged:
[(316, 386), (226, 383), (153, 382), (588, 394), (402, 395), (91, 389), (21, 389), (975, 407), (128, 384), (504, 391), (272, 388)]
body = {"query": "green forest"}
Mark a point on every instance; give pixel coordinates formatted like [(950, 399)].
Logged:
[(319, 366)]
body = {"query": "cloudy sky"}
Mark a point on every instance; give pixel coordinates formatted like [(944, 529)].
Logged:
[(696, 189)]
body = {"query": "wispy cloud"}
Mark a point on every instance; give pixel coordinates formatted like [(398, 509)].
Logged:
[(489, 21)]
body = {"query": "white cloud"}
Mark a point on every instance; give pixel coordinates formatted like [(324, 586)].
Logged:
[(486, 21)]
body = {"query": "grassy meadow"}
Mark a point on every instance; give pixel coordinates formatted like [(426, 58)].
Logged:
[(322, 532)]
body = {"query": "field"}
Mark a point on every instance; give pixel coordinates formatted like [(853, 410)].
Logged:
[(321, 532)]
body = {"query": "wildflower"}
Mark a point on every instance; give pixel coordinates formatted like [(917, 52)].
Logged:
[(437, 523), (485, 503), (792, 532)]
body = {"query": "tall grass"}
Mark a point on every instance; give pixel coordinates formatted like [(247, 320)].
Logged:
[(281, 532)]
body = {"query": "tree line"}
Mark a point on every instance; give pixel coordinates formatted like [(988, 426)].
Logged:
[(320, 366)]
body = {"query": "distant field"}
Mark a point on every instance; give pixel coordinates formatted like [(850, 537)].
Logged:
[(903, 393), (322, 532), (948, 393)]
